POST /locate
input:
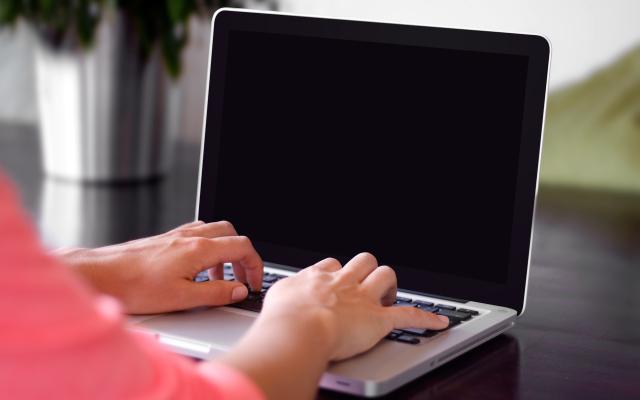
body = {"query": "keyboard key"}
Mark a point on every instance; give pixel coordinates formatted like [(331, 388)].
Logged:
[(421, 303), (445, 307), (472, 312), (269, 278), (253, 302), (404, 299), (407, 339), (202, 276), (452, 323), (254, 299), (394, 334), (420, 332), (454, 315), (414, 331), (428, 308), (401, 302)]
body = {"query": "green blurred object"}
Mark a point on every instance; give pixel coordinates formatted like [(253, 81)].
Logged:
[(592, 134), (67, 23)]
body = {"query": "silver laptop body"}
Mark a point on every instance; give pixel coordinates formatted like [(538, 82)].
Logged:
[(208, 332)]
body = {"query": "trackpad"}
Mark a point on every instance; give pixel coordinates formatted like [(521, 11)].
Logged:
[(218, 328)]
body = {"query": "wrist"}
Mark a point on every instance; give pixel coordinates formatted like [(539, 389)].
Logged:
[(79, 260), (280, 346), (311, 329)]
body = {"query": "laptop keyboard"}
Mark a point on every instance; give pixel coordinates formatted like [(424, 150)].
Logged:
[(456, 316), (254, 300)]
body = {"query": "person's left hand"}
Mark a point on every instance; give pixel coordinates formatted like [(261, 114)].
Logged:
[(155, 274)]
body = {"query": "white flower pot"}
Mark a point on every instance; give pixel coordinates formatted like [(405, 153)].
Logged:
[(105, 113)]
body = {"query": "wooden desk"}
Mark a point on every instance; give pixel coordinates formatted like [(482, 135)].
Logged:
[(578, 339)]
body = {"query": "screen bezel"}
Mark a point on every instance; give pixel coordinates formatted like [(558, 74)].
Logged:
[(512, 294)]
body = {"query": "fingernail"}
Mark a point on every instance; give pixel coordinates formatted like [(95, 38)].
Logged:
[(443, 318), (238, 293)]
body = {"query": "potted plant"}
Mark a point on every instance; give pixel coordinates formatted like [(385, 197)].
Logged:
[(106, 90)]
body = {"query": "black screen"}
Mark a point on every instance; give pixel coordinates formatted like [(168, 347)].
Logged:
[(331, 147)]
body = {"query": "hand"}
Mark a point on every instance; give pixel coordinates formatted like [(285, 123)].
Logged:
[(324, 313), (349, 304), (155, 274)]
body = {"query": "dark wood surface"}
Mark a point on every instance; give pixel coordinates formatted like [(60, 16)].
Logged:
[(578, 339)]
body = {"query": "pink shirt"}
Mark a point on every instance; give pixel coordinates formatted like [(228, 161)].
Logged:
[(59, 340)]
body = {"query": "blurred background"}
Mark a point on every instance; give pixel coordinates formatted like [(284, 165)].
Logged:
[(102, 105), (101, 108)]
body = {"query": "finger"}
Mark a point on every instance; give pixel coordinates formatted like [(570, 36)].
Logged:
[(239, 273), (216, 272), (235, 249), (212, 293), (210, 230), (382, 284), (412, 317), (359, 267), (327, 265)]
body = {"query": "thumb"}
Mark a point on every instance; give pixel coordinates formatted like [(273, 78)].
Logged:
[(214, 293)]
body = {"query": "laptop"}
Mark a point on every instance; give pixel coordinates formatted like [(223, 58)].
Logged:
[(326, 138)]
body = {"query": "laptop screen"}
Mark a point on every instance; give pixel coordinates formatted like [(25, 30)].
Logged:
[(337, 147), (327, 147)]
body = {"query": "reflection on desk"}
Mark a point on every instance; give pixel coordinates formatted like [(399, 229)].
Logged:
[(73, 214), (463, 378)]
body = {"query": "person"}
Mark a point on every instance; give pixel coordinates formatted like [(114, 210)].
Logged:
[(63, 332)]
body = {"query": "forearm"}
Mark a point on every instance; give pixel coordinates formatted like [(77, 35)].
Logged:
[(285, 359), (93, 267)]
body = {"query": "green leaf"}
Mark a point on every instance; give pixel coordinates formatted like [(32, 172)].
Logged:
[(8, 11), (175, 9), (180, 10), (46, 8), (86, 22), (171, 50), (157, 24)]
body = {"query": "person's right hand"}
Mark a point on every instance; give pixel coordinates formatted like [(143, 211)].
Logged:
[(349, 305), (324, 313)]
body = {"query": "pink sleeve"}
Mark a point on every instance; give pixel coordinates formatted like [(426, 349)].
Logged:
[(59, 340)]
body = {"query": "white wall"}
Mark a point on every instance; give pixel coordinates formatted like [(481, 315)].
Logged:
[(585, 34)]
